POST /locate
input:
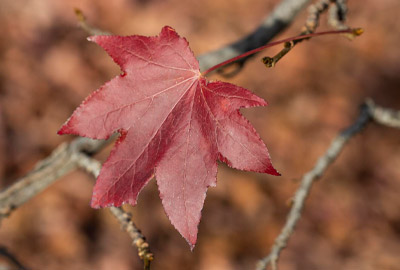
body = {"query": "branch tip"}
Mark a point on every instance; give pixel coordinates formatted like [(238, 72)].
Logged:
[(268, 61), (79, 15), (358, 31)]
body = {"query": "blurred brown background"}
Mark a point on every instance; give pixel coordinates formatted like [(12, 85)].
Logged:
[(352, 218)]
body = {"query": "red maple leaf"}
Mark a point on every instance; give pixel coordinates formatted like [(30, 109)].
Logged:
[(173, 123)]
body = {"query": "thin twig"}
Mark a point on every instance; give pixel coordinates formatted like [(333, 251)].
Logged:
[(274, 23), (93, 167), (290, 41), (91, 30), (369, 111), (312, 22), (311, 25), (5, 253)]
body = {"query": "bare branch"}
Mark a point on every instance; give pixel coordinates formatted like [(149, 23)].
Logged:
[(311, 25), (64, 159), (384, 116), (93, 167), (91, 30), (59, 163), (10, 257), (369, 111), (337, 14), (272, 25)]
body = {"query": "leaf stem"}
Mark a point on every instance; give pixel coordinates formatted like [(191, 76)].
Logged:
[(354, 32)]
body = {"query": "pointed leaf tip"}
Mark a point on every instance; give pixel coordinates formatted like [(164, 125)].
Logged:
[(63, 130), (60, 132), (168, 28)]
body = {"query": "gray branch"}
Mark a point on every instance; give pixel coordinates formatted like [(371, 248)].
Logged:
[(47, 171), (384, 116), (369, 112), (12, 259)]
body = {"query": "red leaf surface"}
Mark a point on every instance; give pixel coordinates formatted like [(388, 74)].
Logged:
[(174, 124)]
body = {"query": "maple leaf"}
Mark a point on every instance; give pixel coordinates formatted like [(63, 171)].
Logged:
[(173, 123)]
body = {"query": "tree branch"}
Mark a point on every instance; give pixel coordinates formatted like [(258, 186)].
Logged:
[(60, 162), (384, 116), (91, 30), (64, 159), (336, 8), (369, 112), (93, 167), (11, 258), (275, 22), (337, 14)]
